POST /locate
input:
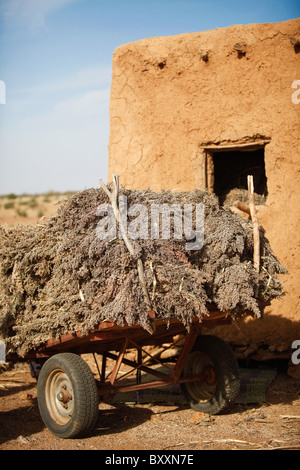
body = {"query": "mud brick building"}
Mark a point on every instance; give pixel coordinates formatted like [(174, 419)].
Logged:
[(203, 110)]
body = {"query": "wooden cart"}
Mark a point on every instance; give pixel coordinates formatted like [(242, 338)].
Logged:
[(68, 392)]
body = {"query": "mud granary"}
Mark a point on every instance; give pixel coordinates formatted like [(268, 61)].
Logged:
[(202, 110)]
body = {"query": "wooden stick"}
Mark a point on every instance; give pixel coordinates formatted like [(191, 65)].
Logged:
[(113, 196), (240, 205), (205, 171), (256, 241)]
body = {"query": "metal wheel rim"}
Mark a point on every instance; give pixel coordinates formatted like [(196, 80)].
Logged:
[(59, 397), (201, 391)]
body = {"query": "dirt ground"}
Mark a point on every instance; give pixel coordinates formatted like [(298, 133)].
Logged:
[(274, 424)]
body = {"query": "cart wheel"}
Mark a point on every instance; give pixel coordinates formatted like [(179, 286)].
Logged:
[(220, 386), (67, 396)]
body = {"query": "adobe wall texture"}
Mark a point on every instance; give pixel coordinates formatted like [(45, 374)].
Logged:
[(171, 97)]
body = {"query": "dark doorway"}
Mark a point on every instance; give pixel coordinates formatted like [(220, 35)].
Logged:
[(232, 167)]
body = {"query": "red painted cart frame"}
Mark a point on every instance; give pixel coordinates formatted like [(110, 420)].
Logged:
[(112, 342)]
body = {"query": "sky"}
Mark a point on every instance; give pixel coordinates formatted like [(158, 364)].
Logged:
[(55, 77)]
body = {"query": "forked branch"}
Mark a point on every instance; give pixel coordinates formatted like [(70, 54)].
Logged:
[(113, 196)]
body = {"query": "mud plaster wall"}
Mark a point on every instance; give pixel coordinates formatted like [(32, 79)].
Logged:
[(171, 97)]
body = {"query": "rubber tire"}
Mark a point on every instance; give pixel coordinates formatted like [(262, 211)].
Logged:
[(227, 376), (84, 391)]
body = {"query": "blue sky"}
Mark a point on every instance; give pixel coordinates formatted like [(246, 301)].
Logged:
[(55, 62)]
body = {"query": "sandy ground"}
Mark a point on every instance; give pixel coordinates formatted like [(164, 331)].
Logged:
[(274, 424)]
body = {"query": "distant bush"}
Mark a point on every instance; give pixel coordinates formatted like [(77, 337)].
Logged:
[(32, 203), (21, 213), (9, 205), (11, 196)]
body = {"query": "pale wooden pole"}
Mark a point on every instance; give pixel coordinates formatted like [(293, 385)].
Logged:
[(256, 240)]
